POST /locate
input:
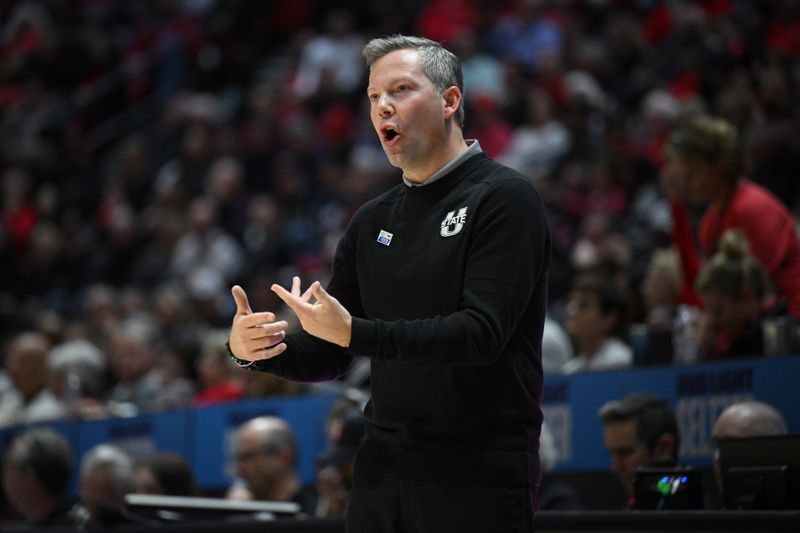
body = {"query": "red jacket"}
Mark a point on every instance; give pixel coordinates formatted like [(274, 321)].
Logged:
[(770, 230)]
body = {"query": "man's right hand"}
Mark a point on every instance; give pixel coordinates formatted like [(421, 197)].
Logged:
[(254, 336)]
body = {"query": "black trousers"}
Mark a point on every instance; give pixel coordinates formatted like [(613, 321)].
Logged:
[(383, 505)]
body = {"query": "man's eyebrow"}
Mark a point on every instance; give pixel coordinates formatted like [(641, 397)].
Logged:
[(394, 81)]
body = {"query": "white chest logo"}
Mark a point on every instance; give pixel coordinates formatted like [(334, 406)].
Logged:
[(453, 222)]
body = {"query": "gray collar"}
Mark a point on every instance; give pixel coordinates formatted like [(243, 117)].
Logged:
[(473, 147)]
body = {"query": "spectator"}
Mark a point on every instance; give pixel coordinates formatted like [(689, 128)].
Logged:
[(148, 376), (31, 399), (216, 375), (335, 465), (537, 145), (225, 188), (175, 373), (595, 312), (704, 167), (734, 290), (660, 291), (106, 476), (179, 326), (99, 309), (77, 375), (165, 473), (483, 72), (599, 245), (331, 62), (133, 365), (525, 34), (151, 267), (488, 126), (748, 418), (265, 456), (206, 246), (36, 474), (639, 430)]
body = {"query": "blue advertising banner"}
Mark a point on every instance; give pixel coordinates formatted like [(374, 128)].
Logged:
[(140, 435), (202, 435), (698, 393)]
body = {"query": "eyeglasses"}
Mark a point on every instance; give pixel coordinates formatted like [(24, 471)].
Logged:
[(578, 303), (243, 457)]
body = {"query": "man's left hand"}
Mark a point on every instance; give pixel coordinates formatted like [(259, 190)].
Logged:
[(325, 318)]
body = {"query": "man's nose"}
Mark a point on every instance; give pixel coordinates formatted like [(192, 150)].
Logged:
[(385, 106)]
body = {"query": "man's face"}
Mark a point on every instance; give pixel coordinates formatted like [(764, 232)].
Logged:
[(699, 182), (407, 113), (95, 490), (627, 452), (585, 318), (130, 358), (256, 464), (728, 313), (26, 368), (145, 482)]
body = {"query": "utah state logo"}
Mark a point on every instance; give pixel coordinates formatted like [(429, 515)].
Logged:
[(453, 222)]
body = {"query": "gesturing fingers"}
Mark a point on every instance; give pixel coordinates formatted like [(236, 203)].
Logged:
[(325, 318), (296, 286), (292, 299), (319, 292), (242, 303), (262, 331), (260, 341)]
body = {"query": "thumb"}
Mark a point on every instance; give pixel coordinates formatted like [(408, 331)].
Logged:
[(242, 303)]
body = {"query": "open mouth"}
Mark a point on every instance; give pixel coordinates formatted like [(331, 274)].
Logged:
[(390, 133)]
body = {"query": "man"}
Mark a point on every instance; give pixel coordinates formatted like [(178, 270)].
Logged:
[(335, 465), (30, 400), (265, 455), (442, 283), (35, 478), (167, 473), (704, 167), (106, 476), (749, 418), (595, 315), (639, 430)]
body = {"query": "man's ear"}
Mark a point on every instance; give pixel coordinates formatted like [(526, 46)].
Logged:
[(665, 447), (452, 100)]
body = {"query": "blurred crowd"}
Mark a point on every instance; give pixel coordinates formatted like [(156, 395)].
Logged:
[(155, 153)]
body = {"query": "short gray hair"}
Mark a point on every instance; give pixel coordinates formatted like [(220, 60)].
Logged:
[(274, 432), (439, 64), (119, 465)]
